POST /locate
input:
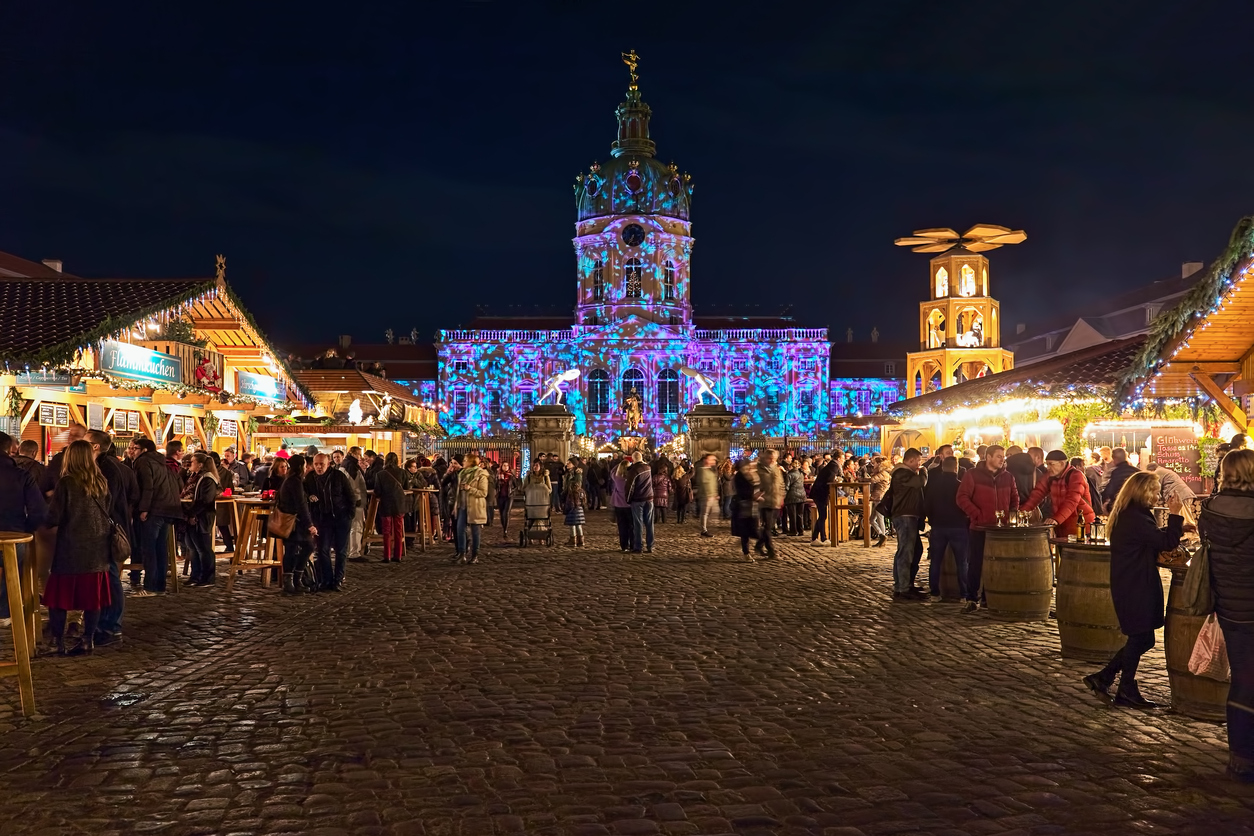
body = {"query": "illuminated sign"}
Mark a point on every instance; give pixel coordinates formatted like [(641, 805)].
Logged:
[(136, 363), (257, 386)]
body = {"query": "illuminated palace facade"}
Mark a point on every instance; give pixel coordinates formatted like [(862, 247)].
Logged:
[(634, 326)]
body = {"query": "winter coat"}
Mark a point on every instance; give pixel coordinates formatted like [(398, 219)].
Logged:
[(573, 497), (794, 487), (907, 486), (705, 482), (390, 491), (292, 500), (1227, 526), (771, 484), (202, 513), (537, 489), (84, 530), (661, 487), (823, 478), (158, 488), (1135, 585), (982, 493), (879, 476), (639, 483), (745, 505), (236, 470), (618, 487), (1170, 484), (372, 473), (507, 487), (34, 468), (472, 494), (22, 505), (331, 496), (1069, 497), (1023, 469), (683, 489), (940, 501), (1118, 475), (123, 491)]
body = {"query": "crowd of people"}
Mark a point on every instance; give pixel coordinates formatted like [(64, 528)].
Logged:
[(94, 494)]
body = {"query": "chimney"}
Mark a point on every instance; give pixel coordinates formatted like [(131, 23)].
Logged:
[(345, 340), (53, 264), (1187, 269), (1020, 328)]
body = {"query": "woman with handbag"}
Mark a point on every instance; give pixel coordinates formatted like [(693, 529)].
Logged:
[(470, 507), (293, 524), (1227, 528), (1135, 585), (201, 517), (80, 561)]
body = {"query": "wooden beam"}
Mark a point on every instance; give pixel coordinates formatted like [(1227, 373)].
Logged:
[(1221, 399), (205, 323), (1208, 368), (30, 413), (240, 352)]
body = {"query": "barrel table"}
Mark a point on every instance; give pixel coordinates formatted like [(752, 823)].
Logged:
[(1087, 624), (1018, 572), (1194, 696)]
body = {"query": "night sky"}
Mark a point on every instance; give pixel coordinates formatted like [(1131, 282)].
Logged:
[(363, 168)]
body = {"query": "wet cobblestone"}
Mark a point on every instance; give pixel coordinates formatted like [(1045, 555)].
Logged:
[(564, 691)]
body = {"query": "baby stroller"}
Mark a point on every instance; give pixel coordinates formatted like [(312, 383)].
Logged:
[(538, 525)]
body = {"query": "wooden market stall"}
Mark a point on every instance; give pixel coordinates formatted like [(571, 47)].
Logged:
[(163, 358)]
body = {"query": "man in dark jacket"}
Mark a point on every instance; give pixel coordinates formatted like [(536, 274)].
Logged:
[(821, 492), (949, 527), (639, 490), (1023, 469), (374, 466), (557, 474), (27, 458), (1067, 491), (123, 499), (236, 471), (906, 484), (158, 507), (22, 508), (332, 504), (1119, 474)]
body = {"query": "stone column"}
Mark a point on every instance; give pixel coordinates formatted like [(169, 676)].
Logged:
[(709, 431), (549, 431)]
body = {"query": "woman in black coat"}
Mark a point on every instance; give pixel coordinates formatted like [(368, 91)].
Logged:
[(1135, 585), (745, 504), (299, 544), (390, 486), (201, 517), (1227, 526)]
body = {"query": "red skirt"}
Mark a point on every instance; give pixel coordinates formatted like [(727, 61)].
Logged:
[(77, 592)]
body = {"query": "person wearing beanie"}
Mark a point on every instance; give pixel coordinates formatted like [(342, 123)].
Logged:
[(1068, 492)]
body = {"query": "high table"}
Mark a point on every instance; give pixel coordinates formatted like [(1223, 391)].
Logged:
[(1087, 624), (254, 550), (1018, 571)]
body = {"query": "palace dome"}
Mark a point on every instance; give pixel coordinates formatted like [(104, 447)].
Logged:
[(633, 181)]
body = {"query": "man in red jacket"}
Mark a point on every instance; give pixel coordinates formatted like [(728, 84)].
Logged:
[(985, 489), (1068, 492)]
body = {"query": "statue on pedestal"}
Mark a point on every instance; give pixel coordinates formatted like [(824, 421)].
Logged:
[(704, 382), (552, 386), (632, 411)]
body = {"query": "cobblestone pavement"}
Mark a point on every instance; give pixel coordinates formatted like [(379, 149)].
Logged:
[(564, 691)]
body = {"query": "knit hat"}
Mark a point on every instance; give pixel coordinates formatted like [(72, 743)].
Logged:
[(1056, 456)]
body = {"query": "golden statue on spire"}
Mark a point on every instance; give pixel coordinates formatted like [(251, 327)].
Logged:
[(221, 268), (632, 60)]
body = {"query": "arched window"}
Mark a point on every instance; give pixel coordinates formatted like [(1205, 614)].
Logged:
[(633, 379), (942, 282), (668, 281), (966, 285), (598, 281), (598, 392), (668, 392), (633, 278)]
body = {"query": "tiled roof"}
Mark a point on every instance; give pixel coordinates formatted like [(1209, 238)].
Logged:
[(11, 265), (352, 380), (45, 319), (1092, 370)]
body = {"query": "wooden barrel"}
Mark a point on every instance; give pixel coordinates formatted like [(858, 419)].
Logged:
[(949, 588), (1194, 696), (1018, 572), (1087, 624)]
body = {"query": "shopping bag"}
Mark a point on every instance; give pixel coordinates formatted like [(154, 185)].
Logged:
[(1210, 654)]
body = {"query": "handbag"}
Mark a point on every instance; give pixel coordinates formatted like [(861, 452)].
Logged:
[(119, 542), (281, 524), (1210, 652), (885, 506), (1196, 597)]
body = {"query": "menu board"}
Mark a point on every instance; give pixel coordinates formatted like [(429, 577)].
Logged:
[(1175, 448), (95, 416), (228, 427), (132, 421), (47, 415), (119, 421), (62, 415), (177, 426)]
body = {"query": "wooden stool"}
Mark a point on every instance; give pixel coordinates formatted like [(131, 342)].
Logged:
[(368, 534), (24, 609), (254, 552)]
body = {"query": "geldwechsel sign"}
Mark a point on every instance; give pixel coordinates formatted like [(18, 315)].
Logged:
[(131, 361), (257, 386)]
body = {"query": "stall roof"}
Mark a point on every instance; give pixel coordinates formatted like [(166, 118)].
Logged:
[(1092, 371), (354, 381), (1205, 343)]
